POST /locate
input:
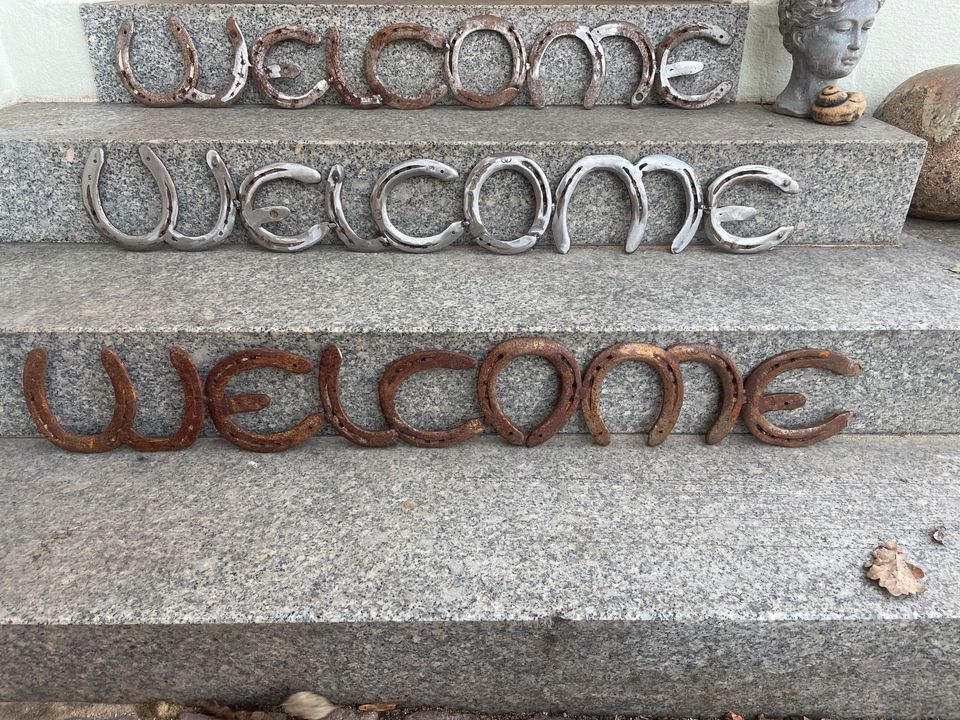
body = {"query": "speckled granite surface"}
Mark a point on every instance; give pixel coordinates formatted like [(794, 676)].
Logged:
[(897, 310), (856, 181), (407, 66), (575, 578)]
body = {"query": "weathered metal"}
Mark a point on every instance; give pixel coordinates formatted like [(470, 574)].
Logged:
[(194, 408), (90, 192), (716, 216), (371, 58), (233, 88), (542, 199), (757, 403), (381, 195), (225, 219), (554, 31), (564, 406), (328, 378), (633, 180), (262, 75), (397, 373), (255, 218), (671, 382), (648, 62), (338, 219), (35, 394), (222, 406), (188, 55), (668, 70), (692, 191), (338, 79), (518, 60), (732, 393)]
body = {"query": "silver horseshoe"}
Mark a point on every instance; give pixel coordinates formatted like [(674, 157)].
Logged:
[(381, 193), (541, 195), (90, 190), (225, 220), (232, 89), (648, 64), (692, 190), (188, 53), (668, 70), (339, 220), (566, 28), (624, 170), (255, 218), (736, 213)]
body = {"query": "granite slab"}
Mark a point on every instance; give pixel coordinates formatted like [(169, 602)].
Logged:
[(573, 578), (856, 181), (896, 310), (407, 66)]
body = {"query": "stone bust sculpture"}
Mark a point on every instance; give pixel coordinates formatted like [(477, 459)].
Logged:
[(826, 39)]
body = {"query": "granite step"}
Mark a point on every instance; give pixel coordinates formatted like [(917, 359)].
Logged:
[(895, 310), (408, 67), (570, 578), (856, 182)]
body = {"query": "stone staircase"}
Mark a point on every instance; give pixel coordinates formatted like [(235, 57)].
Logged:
[(686, 579)]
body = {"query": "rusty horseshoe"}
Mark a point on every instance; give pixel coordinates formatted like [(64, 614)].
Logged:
[(124, 405), (554, 31), (565, 405), (371, 57), (394, 376), (671, 381), (518, 60), (732, 394), (234, 87), (222, 406), (188, 53), (328, 379), (337, 78), (262, 74), (757, 403), (648, 64), (668, 70)]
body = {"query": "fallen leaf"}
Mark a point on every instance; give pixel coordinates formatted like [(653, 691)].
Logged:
[(217, 710), (893, 572), (308, 705), (377, 707), (734, 716), (940, 535)]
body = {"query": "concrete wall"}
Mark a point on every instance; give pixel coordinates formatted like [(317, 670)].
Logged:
[(43, 54)]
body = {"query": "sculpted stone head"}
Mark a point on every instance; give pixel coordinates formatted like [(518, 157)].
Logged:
[(827, 39)]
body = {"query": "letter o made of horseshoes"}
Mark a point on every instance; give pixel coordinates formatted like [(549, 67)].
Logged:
[(518, 58)]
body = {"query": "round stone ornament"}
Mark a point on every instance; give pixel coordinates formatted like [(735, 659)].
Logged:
[(928, 105)]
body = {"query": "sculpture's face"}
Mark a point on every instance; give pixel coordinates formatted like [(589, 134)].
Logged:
[(833, 47)]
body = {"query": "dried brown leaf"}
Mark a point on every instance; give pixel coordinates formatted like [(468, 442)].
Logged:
[(377, 707), (308, 705), (217, 710), (895, 575)]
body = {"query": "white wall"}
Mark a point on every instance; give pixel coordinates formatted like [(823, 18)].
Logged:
[(43, 54)]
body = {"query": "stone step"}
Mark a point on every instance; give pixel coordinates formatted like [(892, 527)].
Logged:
[(570, 578), (407, 67), (895, 310), (856, 182)]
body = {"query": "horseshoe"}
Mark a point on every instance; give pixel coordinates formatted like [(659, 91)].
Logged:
[(225, 220), (334, 202), (194, 408), (668, 70), (223, 406), (329, 381), (534, 174), (648, 65), (518, 59), (757, 403), (188, 53), (381, 194), (338, 80), (90, 190), (631, 177), (371, 57), (564, 406), (255, 218), (671, 380), (124, 405), (692, 190), (262, 75), (566, 28), (230, 92), (395, 375), (732, 394), (716, 216)]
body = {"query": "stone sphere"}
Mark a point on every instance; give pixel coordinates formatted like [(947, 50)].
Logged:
[(928, 105)]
